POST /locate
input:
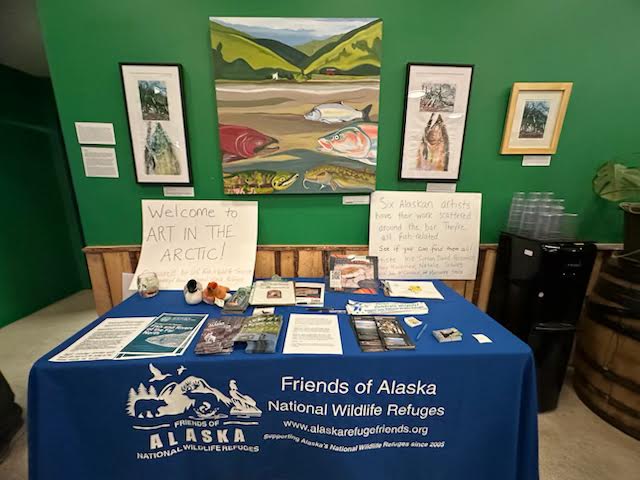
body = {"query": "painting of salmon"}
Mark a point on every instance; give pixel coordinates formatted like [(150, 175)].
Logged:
[(237, 142), (298, 108), (433, 151), (358, 142), (337, 113)]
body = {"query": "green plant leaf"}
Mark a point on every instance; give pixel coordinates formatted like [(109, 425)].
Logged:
[(617, 183)]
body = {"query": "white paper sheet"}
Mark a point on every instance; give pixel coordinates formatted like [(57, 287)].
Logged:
[(413, 289), (386, 308), (202, 239), (94, 133), (482, 338), (105, 341), (423, 235), (100, 162), (318, 334)]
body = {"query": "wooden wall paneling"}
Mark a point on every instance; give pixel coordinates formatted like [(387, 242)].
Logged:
[(469, 289), (288, 262), (597, 266), (99, 283), (456, 285), (265, 264), (310, 263), (115, 263), (486, 279)]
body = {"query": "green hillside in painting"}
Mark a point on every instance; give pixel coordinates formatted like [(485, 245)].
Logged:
[(239, 56)]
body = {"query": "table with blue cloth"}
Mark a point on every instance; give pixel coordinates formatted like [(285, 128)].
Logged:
[(458, 410)]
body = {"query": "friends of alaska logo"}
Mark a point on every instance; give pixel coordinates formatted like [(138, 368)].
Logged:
[(178, 412)]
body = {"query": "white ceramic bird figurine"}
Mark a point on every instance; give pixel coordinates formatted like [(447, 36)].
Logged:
[(157, 374), (192, 292), (181, 369)]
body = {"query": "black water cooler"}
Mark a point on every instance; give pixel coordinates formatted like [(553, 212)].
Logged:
[(537, 293)]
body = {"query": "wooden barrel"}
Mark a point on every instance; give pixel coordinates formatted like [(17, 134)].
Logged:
[(607, 357)]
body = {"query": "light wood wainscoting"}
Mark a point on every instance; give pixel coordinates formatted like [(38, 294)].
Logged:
[(107, 263)]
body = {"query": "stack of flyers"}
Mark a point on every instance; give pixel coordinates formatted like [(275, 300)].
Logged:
[(238, 302), (380, 333), (261, 333), (353, 274), (218, 335), (393, 335), (311, 294), (167, 335), (366, 331), (448, 335)]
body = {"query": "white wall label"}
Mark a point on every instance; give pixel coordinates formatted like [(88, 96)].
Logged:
[(355, 200), (418, 235), (441, 187), (536, 160), (178, 191), (99, 162), (202, 239), (94, 133)]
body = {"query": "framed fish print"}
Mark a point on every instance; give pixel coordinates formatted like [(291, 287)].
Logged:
[(435, 119), (535, 117), (297, 107), (157, 128)]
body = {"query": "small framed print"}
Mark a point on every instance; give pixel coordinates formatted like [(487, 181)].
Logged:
[(435, 119), (535, 117), (155, 110)]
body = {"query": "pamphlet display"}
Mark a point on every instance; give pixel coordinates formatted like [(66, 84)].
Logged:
[(273, 292), (353, 274), (198, 239), (380, 333), (424, 235)]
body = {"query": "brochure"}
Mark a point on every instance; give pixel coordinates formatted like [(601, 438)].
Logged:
[(380, 333), (353, 274), (273, 292), (307, 334), (167, 334), (411, 289), (311, 294), (218, 335), (261, 333)]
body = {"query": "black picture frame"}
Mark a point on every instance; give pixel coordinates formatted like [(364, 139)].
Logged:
[(404, 121), (189, 171)]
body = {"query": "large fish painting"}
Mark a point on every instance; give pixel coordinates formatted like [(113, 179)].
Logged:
[(297, 102)]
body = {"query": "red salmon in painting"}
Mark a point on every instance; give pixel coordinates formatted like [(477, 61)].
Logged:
[(237, 142), (358, 142)]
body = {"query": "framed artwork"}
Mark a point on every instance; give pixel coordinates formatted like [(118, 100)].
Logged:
[(155, 110), (535, 117), (297, 107), (435, 119)]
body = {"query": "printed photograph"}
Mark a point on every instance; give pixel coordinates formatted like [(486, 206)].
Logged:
[(438, 97), (159, 156), (433, 148), (153, 99), (389, 326), (297, 102), (274, 294), (534, 118)]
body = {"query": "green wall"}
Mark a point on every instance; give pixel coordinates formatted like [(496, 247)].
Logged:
[(40, 246), (590, 42)]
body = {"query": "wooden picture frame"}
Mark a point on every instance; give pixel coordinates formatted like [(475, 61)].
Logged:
[(447, 113), (536, 111), (157, 126)]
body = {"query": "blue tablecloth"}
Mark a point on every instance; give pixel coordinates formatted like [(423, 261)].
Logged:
[(460, 410)]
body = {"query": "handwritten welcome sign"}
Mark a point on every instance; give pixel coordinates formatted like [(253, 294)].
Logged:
[(425, 235), (202, 239)]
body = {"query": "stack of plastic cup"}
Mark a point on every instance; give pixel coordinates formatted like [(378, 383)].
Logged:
[(541, 216)]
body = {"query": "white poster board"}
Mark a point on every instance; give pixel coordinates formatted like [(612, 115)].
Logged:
[(202, 239), (427, 235)]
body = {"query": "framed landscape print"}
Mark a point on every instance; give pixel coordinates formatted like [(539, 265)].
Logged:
[(535, 117), (297, 102), (155, 110), (435, 118)]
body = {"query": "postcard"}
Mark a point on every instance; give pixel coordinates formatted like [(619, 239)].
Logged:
[(311, 294)]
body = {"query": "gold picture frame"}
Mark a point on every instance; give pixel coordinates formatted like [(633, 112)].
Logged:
[(537, 112)]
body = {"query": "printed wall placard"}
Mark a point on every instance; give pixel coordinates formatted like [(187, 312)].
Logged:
[(155, 110), (437, 101), (297, 102)]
